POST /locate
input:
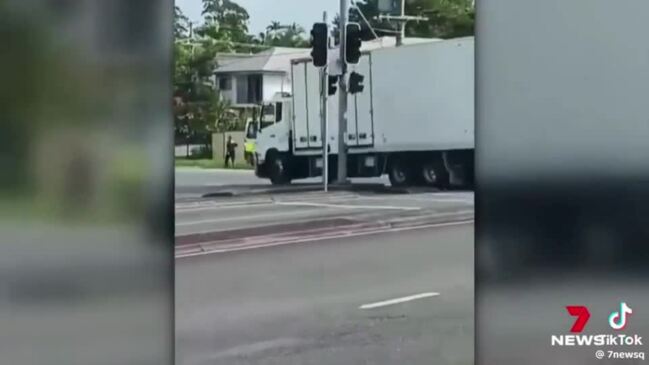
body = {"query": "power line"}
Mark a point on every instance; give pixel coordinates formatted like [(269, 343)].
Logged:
[(360, 12)]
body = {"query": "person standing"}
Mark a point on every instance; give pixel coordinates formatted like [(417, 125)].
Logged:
[(230, 150)]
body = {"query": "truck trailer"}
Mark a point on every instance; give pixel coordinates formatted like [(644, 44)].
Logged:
[(414, 119)]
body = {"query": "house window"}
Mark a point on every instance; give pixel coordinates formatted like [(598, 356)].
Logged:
[(250, 89), (225, 83)]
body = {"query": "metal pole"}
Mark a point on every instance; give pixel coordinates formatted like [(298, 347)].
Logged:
[(402, 25), (342, 104), (401, 33), (324, 82)]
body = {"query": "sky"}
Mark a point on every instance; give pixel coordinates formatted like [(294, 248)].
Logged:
[(262, 12)]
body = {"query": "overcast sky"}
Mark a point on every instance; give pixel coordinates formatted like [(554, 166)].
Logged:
[(262, 12)]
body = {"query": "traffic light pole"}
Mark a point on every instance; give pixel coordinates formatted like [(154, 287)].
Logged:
[(342, 89), (324, 87)]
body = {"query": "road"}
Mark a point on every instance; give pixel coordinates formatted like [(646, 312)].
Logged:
[(270, 210), (299, 304), (194, 182), (315, 278)]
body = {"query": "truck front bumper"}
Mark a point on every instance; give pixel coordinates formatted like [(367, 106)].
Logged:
[(261, 170)]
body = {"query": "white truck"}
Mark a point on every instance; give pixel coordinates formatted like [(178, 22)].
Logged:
[(414, 120)]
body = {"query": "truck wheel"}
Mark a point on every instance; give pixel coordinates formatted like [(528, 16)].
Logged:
[(278, 172), (435, 174), (399, 174)]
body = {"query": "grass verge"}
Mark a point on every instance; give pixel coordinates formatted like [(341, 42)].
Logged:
[(209, 164)]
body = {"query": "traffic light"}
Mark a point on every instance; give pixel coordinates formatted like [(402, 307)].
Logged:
[(333, 88), (353, 43), (356, 83), (320, 44)]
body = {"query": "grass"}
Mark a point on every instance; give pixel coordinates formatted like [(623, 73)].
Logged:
[(210, 164)]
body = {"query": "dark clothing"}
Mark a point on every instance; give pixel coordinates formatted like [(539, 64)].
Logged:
[(229, 157), (230, 148)]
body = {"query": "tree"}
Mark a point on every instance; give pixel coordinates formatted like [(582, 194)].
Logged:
[(279, 35), (226, 22), (181, 24), (274, 27), (446, 19), (197, 104)]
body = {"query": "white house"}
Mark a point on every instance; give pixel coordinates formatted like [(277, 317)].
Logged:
[(248, 80), (257, 78)]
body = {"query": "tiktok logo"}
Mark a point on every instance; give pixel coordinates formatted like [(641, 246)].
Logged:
[(617, 320)]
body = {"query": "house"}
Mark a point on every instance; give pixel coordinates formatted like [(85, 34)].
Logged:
[(256, 78), (247, 80)]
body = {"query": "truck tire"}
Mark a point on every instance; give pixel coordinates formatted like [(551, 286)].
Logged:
[(278, 170), (399, 173), (434, 174)]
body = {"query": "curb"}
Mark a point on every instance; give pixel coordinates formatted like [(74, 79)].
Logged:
[(328, 232)]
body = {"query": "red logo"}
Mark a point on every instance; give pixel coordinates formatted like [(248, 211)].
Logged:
[(582, 314)]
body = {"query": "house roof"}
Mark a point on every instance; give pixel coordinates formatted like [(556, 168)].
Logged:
[(277, 59), (226, 58)]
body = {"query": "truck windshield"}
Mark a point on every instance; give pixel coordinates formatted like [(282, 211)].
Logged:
[(251, 131), (268, 116)]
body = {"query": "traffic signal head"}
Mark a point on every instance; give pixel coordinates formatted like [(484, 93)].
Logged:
[(353, 43), (319, 44), (356, 83), (333, 88)]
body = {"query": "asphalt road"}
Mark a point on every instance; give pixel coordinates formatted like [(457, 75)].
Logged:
[(212, 215), (194, 182), (300, 304)]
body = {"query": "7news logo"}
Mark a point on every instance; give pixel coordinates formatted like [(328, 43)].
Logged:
[(617, 320)]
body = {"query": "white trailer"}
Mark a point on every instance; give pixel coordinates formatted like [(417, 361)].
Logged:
[(414, 119)]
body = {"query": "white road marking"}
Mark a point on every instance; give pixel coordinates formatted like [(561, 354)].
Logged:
[(398, 300), (312, 239), (343, 206)]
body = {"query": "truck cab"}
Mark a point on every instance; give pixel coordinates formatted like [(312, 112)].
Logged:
[(273, 142)]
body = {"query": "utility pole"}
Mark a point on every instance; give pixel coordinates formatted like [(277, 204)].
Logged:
[(324, 135), (400, 20), (342, 103), (402, 25)]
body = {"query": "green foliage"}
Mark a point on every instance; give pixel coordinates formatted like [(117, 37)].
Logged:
[(198, 107), (278, 35), (210, 163), (446, 19), (226, 23), (181, 24)]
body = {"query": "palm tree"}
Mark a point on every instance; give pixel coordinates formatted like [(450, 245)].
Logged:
[(272, 28)]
